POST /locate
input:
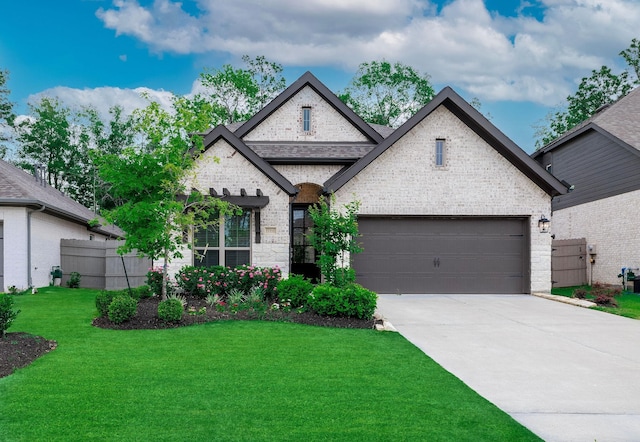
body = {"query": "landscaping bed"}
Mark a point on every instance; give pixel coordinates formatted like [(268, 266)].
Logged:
[(147, 316), (19, 349)]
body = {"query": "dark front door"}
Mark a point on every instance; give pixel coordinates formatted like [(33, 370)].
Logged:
[(303, 255)]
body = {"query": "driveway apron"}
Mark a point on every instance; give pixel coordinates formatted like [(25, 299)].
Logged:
[(567, 373)]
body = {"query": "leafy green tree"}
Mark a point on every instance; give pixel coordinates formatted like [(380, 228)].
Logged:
[(387, 94), (6, 113), (148, 184), (600, 88), (235, 94), (45, 138), (334, 236)]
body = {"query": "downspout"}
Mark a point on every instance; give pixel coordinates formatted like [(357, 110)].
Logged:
[(29, 212)]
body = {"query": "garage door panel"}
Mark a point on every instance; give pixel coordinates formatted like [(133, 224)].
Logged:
[(443, 255)]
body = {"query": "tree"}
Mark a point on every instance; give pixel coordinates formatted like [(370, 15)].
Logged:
[(235, 94), (334, 236), (45, 138), (6, 113), (382, 93), (602, 87), (148, 184)]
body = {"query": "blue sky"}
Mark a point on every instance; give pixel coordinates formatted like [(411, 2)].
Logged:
[(520, 58)]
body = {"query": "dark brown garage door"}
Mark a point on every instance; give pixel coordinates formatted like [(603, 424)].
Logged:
[(443, 255)]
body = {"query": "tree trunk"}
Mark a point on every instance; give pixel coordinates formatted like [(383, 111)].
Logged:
[(165, 277)]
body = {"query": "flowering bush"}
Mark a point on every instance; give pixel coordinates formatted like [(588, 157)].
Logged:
[(218, 280), (154, 281)]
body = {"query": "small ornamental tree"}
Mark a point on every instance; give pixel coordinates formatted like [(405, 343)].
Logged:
[(148, 185), (334, 236), (7, 313)]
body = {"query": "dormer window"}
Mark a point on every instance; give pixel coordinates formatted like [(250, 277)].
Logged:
[(306, 119)]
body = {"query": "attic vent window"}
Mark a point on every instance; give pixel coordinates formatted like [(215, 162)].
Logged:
[(440, 152), (306, 119)]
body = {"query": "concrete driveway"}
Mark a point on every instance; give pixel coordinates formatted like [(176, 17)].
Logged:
[(565, 372)]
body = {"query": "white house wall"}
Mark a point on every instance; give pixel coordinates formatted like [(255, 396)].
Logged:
[(476, 180), (46, 233), (285, 124), (611, 225)]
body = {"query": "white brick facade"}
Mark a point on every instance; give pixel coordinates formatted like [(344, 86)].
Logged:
[(476, 180), (610, 224)]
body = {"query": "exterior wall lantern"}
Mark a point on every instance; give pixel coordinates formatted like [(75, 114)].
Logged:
[(543, 224)]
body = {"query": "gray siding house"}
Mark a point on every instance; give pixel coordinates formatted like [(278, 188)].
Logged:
[(448, 203), (601, 160)]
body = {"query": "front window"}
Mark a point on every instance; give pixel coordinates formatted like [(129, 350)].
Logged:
[(230, 249)]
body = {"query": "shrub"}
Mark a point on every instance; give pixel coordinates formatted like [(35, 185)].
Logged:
[(580, 293), (103, 300), (142, 292), (122, 308), (605, 295), (353, 301), (74, 280), (170, 310), (7, 313), (295, 290), (154, 281)]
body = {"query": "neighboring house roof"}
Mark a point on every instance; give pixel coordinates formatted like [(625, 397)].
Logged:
[(617, 121), (21, 189), (476, 122)]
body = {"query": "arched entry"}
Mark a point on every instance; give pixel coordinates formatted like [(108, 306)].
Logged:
[(303, 255)]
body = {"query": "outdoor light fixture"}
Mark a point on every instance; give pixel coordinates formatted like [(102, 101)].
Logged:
[(543, 224)]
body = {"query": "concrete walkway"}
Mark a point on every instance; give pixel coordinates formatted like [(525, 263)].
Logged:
[(565, 372)]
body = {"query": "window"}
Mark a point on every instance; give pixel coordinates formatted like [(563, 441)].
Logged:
[(230, 249), (306, 119), (439, 153)]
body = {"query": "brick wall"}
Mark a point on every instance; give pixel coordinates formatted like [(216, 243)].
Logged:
[(611, 224), (475, 180)]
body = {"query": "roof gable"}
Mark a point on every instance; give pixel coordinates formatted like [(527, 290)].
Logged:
[(309, 80), (476, 122), (221, 132)]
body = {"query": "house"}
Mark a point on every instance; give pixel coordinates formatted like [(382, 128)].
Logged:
[(600, 159), (34, 217), (448, 203)]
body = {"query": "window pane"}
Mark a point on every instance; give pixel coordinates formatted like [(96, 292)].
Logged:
[(206, 259), (207, 237), (237, 231), (306, 119), (234, 258), (439, 152)]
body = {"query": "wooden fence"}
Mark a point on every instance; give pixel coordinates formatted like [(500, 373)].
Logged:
[(100, 266), (569, 262)]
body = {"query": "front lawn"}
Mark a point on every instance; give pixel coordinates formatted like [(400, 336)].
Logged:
[(232, 381), (628, 303)]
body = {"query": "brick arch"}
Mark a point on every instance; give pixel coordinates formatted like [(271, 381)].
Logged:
[(309, 193)]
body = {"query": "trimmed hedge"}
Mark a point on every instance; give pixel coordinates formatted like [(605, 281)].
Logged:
[(218, 280), (352, 300)]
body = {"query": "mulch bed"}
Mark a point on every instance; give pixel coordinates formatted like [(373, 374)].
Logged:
[(147, 317), (19, 349)]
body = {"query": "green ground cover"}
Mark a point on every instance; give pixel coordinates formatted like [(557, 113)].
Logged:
[(232, 381), (628, 303)]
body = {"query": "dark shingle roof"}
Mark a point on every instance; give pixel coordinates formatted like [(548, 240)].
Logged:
[(19, 188), (308, 152)]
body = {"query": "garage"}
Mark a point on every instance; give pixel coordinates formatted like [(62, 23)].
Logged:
[(410, 254)]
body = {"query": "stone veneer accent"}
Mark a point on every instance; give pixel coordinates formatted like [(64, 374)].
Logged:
[(611, 224)]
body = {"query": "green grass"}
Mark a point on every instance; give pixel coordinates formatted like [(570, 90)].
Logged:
[(628, 303), (232, 381)]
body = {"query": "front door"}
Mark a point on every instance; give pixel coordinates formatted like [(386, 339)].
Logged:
[(303, 255)]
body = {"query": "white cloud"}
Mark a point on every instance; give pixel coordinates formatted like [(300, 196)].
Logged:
[(104, 98), (493, 57)]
